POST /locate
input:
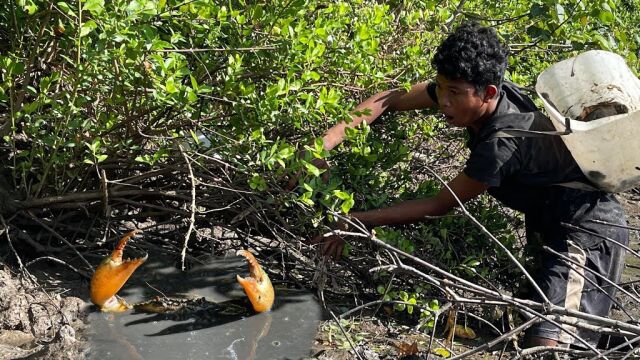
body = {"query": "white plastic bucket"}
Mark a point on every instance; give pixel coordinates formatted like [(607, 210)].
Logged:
[(606, 149)]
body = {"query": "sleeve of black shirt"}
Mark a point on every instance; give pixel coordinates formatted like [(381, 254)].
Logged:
[(431, 91), (493, 160)]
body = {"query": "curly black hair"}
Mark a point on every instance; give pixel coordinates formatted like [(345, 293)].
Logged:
[(473, 53)]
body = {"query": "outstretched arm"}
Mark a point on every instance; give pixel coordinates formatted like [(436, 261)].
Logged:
[(411, 211), (393, 100)]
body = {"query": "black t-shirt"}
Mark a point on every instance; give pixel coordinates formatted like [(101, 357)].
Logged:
[(520, 171)]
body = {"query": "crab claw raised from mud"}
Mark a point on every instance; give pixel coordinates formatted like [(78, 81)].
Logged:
[(111, 275), (257, 285)]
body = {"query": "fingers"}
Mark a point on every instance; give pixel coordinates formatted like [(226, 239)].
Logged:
[(319, 240), (293, 181), (329, 246), (321, 163), (334, 249), (325, 176)]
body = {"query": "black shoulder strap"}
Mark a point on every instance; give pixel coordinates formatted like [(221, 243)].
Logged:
[(512, 133)]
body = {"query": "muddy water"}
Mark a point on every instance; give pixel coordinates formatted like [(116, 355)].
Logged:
[(287, 331)]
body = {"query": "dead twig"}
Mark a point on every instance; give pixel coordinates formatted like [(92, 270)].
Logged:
[(573, 227), (97, 195), (615, 225), (192, 218), (5, 229), (196, 50), (56, 260)]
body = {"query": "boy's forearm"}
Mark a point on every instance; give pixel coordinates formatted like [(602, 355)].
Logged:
[(403, 213), (374, 106), (464, 188)]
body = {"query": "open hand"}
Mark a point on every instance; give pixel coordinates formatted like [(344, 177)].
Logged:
[(331, 245)]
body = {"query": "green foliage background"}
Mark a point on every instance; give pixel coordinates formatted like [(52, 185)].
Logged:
[(88, 84)]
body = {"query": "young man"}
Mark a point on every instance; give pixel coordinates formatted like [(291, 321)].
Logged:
[(524, 173)]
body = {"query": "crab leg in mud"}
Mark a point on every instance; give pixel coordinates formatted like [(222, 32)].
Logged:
[(257, 285), (111, 275)]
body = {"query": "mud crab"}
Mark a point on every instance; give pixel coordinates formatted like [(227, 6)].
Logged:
[(111, 275), (257, 285)]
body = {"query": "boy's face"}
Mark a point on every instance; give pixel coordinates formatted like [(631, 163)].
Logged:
[(461, 104)]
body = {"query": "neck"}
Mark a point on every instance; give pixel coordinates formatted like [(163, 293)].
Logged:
[(485, 113)]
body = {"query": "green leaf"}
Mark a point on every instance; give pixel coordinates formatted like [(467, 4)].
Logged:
[(363, 32), (87, 27), (347, 205), (345, 250), (65, 7), (158, 44), (94, 6), (15, 68), (312, 169), (95, 145), (31, 8), (194, 136), (606, 17), (604, 43), (170, 86), (194, 83), (319, 145), (341, 195), (311, 75), (537, 32), (538, 9)]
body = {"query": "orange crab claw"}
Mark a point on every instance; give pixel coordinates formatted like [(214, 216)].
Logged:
[(111, 275), (257, 285)]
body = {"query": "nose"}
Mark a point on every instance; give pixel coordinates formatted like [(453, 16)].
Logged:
[(444, 101)]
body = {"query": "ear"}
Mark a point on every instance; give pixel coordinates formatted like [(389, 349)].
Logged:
[(490, 92)]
